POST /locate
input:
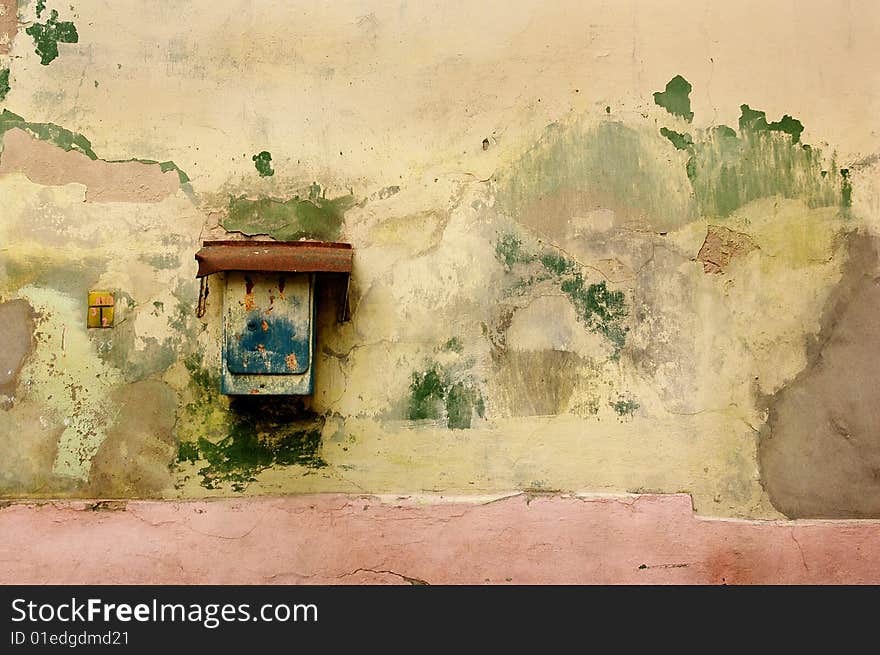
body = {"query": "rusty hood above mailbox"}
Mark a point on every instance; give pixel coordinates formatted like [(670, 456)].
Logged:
[(274, 256), (269, 310)]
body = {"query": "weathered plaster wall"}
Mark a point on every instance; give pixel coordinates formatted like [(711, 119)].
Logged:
[(585, 258)]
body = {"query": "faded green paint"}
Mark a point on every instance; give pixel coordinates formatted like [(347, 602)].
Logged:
[(462, 401), (68, 140), (41, 6), (48, 35), (54, 134), (263, 163), (162, 261), (4, 83), (577, 168), (681, 140), (766, 159), (756, 121), (676, 98), (727, 171), (138, 357), (288, 220)]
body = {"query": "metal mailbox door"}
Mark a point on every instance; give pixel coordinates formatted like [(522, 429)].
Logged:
[(268, 324)]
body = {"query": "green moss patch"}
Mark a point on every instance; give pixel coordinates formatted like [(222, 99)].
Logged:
[(235, 439)]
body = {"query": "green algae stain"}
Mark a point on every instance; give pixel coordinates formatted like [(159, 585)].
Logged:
[(239, 457), (188, 451), (288, 220), (427, 394), (445, 392), (237, 439), (41, 7), (263, 163), (462, 401), (676, 98), (4, 83), (48, 35), (681, 140)]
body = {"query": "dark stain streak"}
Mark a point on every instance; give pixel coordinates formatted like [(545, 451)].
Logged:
[(819, 451)]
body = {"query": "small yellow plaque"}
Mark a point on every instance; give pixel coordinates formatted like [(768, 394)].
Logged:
[(101, 306)]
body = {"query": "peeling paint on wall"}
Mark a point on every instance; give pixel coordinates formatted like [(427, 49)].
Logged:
[(530, 301), (45, 163), (48, 35)]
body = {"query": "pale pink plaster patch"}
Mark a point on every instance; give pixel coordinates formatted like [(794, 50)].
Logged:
[(45, 163), (8, 24), (340, 539)]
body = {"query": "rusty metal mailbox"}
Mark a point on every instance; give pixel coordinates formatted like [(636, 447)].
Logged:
[(269, 328)]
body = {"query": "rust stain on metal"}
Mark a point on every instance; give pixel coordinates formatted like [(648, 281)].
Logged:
[(265, 326), (292, 362), (289, 257)]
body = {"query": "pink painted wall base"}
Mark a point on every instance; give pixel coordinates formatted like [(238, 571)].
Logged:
[(346, 539)]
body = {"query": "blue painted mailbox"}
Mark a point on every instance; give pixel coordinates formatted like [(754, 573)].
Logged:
[(269, 328)]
